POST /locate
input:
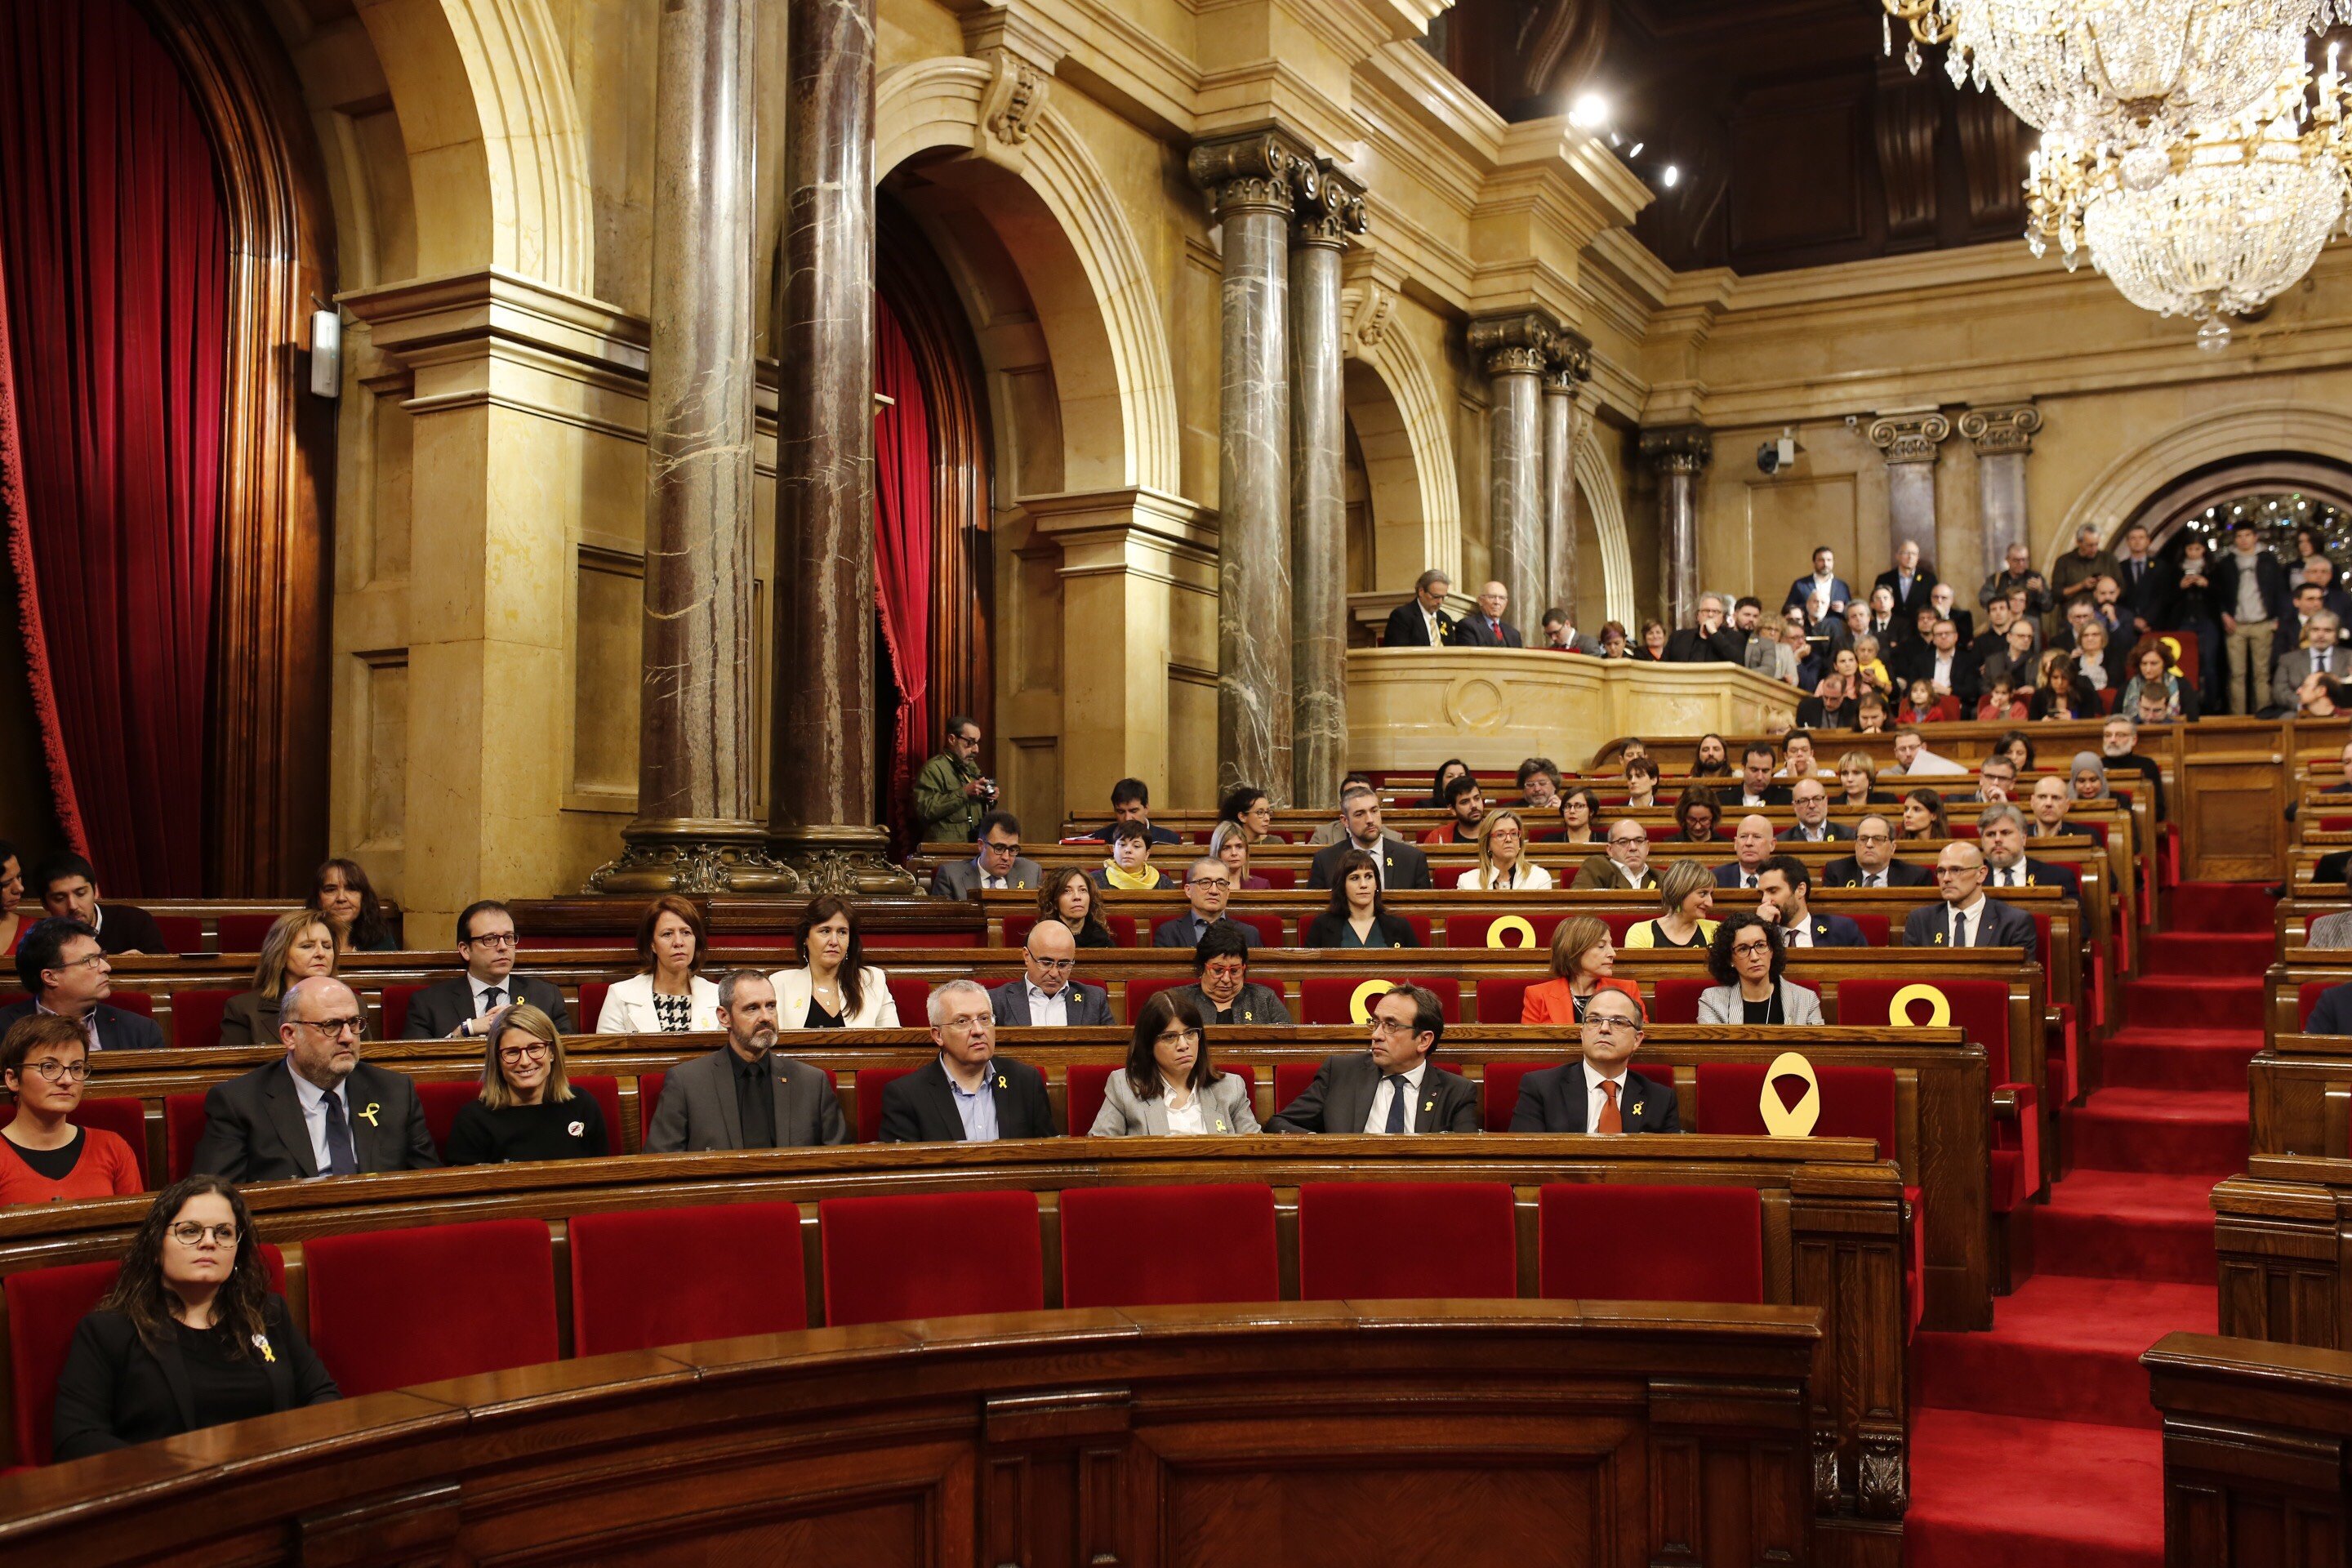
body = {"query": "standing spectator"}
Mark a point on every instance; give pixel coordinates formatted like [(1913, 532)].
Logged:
[(2250, 586), (1654, 644), (1706, 643), (1907, 583), (2146, 582), (950, 795), (2017, 575), (2195, 607), (1825, 584), (2076, 576)]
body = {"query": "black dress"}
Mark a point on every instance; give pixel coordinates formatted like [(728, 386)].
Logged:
[(223, 1385), (567, 1130), (818, 1018), (115, 1390)]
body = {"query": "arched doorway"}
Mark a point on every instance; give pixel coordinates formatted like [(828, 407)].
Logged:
[(2281, 494)]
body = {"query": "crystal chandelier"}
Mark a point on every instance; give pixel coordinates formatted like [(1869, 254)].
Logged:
[(2211, 225)]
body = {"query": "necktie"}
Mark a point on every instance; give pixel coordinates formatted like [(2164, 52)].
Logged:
[(1875, 879), (1747, 879), (1398, 1090), (341, 1160), (1960, 929), (1611, 1119), (1494, 626), (492, 998), (2323, 661)]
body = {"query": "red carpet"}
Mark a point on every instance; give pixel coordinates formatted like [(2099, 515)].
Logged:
[(2035, 1446)]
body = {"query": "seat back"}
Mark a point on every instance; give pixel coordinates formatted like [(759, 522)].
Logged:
[(870, 1083), (1459, 1240), (140, 1001), (1291, 1081), (196, 1017), (392, 1309), (184, 1127), (2306, 998), (931, 1255), (607, 1092), (1856, 1102), (1502, 997), (1979, 1007), (1875, 929), (1479, 930), (181, 933), (1675, 1000), (1332, 1000), (649, 1093), (912, 996), (394, 1000), (643, 1278), (242, 933), (592, 1004), (1159, 1247), (125, 1117), (1498, 1092), (442, 1101), (1604, 1241)]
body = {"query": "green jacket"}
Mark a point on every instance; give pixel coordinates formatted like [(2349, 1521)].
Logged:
[(946, 814)]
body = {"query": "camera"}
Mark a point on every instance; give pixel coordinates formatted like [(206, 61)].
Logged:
[(1774, 456), (988, 788)]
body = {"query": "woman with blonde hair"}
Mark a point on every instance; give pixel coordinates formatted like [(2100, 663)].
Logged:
[(1503, 864), (300, 944), (1687, 893), (528, 1109), (664, 997)]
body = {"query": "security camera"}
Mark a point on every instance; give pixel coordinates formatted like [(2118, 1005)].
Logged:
[(1774, 456)]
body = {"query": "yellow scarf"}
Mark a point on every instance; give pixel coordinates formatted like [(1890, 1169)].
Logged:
[(1143, 881)]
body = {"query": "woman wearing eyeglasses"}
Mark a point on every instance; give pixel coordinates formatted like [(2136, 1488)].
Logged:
[(300, 944), (45, 1062), (834, 987), (1747, 961), (1169, 1087), (191, 1336), (528, 1110)]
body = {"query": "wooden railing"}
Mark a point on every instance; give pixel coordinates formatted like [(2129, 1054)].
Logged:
[(2257, 1451)]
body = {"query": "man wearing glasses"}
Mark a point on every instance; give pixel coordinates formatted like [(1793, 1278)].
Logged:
[(1598, 1094), (1208, 887), (318, 1110), (64, 971), (997, 864), (1873, 863), (464, 1006), (1391, 1088), (1626, 865), (1967, 918), (1046, 995)]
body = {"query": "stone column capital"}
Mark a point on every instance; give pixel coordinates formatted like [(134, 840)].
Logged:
[(1519, 343), (1265, 170), (1909, 437), (2006, 429), (1330, 207), (1678, 449), (1570, 366)]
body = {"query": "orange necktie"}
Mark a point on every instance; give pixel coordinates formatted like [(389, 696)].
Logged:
[(1610, 1121)]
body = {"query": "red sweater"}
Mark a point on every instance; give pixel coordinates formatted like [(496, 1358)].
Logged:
[(107, 1169)]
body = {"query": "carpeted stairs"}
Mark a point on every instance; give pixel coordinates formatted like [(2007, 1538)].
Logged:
[(2035, 1446)]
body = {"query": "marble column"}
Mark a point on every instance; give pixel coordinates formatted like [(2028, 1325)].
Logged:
[(1571, 363), (696, 777), (1515, 351), (1328, 211), (1909, 441), (2003, 438), (1679, 454), (1253, 181), (821, 779)]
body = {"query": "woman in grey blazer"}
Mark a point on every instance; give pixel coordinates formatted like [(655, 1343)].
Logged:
[(1168, 1086), (1747, 958)]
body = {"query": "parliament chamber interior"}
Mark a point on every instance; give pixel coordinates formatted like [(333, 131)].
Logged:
[(761, 758)]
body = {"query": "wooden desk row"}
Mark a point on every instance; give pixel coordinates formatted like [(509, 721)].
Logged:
[(2257, 1451)]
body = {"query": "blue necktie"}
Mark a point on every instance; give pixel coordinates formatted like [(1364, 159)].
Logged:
[(1401, 1090), (341, 1160)]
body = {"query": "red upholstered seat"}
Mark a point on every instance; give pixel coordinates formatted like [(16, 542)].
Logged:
[(1085, 1091), (196, 1017), (1498, 1092), (671, 1277), (2307, 997), (912, 997), (1140, 991), (1291, 1081), (606, 1091), (1981, 1010), (2337, 823), (1463, 1241), (244, 933), (1268, 927), (123, 1116), (1121, 927), (1328, 1000), (394, 1000), (649, 1091), (1471, 930), (1620, 921), (1502, 997), (922, 936), (1279, 879), (183, 1125), (931, 1255), (391, 1308), (1875, 929), (181, 933), (1627, 1243), (1161, 1246), (442, 1101), (1674, 998), (139, 1001), (871, 1082), (592, 1005)]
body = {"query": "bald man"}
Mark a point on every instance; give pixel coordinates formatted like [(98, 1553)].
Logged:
[(1751, 846), (1487, 628), (1967, 918)]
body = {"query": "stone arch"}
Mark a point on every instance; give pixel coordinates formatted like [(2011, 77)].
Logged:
[(2125, 485), (1600, 501), (496, 152), (1096, 304), (1398, 419)]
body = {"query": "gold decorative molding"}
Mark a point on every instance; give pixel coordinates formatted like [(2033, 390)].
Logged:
[(2001, 429), (1909, 437)]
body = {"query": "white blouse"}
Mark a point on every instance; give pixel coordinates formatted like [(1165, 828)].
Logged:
[(1525, 876), (1188, 1121)]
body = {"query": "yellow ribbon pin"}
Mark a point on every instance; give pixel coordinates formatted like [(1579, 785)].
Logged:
[(369, 1114), (1508, 923), (1783, 1120), (261, 1344), (1359, 1006), (1001, 1083), (1221, 1126), (1939, 1007), (1636, 1108)]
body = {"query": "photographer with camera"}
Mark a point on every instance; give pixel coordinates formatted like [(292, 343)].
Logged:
[(950, 795)]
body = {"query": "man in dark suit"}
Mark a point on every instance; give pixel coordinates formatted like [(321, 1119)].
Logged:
[(486, 944), (1828, 709), (1783, 891), (64, 971), (1756, 785), (1487, 628), (1908, 583), (1810, 799), (1401, 865), (967, 1094), (67, 889), (1709, 642), (318, 1110), (743, 1095), (2000, 829), (1944, 664), (1944, 601), (1424, 623), (1599, 1093), (1967, 918), (2333, 1015), (1825, 583), (1751, 846), (997, 864), (1130, 801), (1393, 1088), (2147, 583), (1873, 863), (1047, 996), (1208, 888)]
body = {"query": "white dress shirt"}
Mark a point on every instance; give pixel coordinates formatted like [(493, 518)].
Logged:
[(1188, 1123), (2011, 877), (1378, 1121), (313, 1100), (1595, 1100), (1048, 1011), (989, 879), (1974, 914), (1633, 878), (1379, 861), (1872, 878), (482, 989), (1800, 934), (1942, 674)]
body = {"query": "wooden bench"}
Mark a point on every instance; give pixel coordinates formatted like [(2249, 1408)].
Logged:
[(2257, 1451)]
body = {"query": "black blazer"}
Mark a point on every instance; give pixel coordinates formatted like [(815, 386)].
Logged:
[(1727, 874), (1733, 797), (1328, 930), (115, 1389), (2000, 925), (254, 1130), (1405, 867), (1831, 832), (1908, 605), (1917, 661), (2041, 874), (1186, 930), (436, 1011), (1340, 1097), (1471, 631), (1407, 629), (2333, 1015), (1553, 1100), (1812, 713), (118, 1029), (920, 1109), (127, 928), (1688, 645), (1847, 873)]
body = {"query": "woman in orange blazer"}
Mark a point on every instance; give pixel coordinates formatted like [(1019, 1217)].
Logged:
[(1583, 959)]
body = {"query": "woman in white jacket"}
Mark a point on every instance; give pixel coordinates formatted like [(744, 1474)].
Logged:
[(834, 988), (666, 997), (1503, 864)]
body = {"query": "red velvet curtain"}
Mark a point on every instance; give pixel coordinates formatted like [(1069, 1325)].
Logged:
[(115, 246), (902, 551)]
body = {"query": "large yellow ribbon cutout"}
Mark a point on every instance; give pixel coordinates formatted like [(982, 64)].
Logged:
[(1940, 1007), (1511, 923), (1781, 1121), (1359, 1006)]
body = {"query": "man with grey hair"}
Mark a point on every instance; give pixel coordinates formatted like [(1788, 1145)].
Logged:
[(1487, 628), (318, 1110), (967, 1094), (2075, 580), (2001, 828), (1208, 888), (1424, 623), (1709, 642), (743, 1095), (2319, 655)]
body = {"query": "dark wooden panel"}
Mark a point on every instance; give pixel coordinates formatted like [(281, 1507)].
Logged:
[(2256, 1443), (1795, 180)]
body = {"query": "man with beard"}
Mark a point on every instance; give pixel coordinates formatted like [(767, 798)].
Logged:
[(743, 1095)]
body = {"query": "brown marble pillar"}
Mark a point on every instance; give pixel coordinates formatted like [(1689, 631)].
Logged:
[(1679, 454), (696, 776), (1253, 181), (1909, 441), (1327, 213), (2003, 438), (821, 768), (1515, 351), (1572, 365)]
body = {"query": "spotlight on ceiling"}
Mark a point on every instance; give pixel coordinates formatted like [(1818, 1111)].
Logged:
[(1635, 150), (1589, 110), (1670, 176)]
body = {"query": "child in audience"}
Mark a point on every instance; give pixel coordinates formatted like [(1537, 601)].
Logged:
[(1922, 706), (1873, 668), (2001, 704)]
